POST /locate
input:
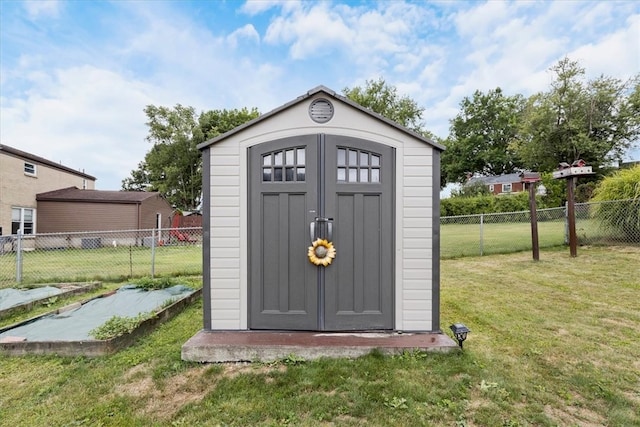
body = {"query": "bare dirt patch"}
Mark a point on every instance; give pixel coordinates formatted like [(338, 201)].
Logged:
[(164, 402), (186, 387), (575, 415)]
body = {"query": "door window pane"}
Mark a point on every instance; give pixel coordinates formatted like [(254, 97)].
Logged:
[(353, 158), (289, 174), (364, 159), (273, 170), (266, 174), (357, 166), (277, 158), (353, 175)]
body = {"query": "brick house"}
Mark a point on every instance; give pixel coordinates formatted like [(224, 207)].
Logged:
[(504, 184), (22, 176)]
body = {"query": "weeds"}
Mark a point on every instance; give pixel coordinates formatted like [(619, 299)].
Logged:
[(119, 325)]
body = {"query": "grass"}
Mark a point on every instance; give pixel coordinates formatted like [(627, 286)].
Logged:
[(103, 264), (553, 343), (460, 240)]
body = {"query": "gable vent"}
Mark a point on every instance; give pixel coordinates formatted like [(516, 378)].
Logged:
[(321, 110)]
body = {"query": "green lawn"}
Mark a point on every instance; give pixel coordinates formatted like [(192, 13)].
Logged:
[(553, 343), (458, 240), (106, 264)]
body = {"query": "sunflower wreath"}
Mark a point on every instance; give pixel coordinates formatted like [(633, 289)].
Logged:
[(321, 252)]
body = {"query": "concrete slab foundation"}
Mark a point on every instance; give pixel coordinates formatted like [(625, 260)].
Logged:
[(268, 346)]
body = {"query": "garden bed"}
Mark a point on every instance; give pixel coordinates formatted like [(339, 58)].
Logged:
[(24, 299), (14, 341)]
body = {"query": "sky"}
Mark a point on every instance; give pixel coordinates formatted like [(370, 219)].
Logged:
[(75, 76)]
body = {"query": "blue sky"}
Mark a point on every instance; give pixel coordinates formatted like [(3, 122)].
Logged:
[(76, 75)]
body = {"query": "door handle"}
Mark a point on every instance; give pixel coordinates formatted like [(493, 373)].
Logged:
[(329, 228)]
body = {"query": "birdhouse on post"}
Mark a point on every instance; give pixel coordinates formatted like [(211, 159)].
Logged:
[(570, 172)]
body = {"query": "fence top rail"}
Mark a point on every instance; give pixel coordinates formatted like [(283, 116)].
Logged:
[(502, 213), (86, 233)]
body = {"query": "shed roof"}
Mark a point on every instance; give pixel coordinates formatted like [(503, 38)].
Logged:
[(41, 160), (329, 93), (74, 194)]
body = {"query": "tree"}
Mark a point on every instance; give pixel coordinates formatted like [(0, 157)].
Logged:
[(383, 99), (596, 121), (481, 135), (173, 166)]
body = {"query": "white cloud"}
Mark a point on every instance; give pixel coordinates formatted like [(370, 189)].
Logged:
[(309, 32), (86, 118), (43, 8), (616, 54), (247, 32), (255, 7)]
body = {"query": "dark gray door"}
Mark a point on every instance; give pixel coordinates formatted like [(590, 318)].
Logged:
[(337, 188), (359, 196)]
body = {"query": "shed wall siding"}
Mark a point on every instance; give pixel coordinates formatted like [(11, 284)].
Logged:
[(229, 203), (414, 237), (228, 308)]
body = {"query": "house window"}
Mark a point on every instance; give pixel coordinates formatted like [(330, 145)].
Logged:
[(284, 165), (29, 169), (23, 219), (506, 188), (84, 184), (491, 188), (358, 166)]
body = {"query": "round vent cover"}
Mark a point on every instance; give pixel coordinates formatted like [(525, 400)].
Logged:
[(321, 110)]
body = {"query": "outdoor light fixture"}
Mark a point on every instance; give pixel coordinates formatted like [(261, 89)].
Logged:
[(460, 331)]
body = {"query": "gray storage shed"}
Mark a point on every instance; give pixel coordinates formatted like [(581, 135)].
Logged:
[(321, 167)]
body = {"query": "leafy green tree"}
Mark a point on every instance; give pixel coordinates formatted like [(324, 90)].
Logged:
[(481, 135), (382, 98), (596, 121), (623, 217), (173, 165)]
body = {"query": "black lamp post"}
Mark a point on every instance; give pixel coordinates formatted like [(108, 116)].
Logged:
[(460, 331)]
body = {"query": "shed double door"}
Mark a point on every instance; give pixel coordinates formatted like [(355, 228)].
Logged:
[(333, 187)]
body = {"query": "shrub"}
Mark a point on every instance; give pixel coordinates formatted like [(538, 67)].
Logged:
[(622, 185), (456, 206)]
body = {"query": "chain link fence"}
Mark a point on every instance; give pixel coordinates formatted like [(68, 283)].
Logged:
[(104, 255), (120, 255), (602, 223)]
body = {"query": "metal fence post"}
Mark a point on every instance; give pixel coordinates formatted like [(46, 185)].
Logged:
[(19, 257), (153, 252), (566, 223), (481, 233)]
